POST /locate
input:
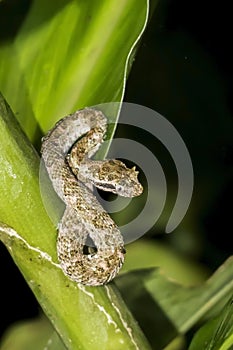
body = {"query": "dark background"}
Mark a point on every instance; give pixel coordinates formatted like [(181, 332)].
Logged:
[(183, 70)]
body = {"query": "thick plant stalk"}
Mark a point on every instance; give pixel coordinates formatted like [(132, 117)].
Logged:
[(85, 318)]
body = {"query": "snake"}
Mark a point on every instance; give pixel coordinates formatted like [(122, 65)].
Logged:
[(90, 247)]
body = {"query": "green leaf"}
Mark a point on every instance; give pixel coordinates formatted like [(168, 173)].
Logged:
[(173, 264), (68, 55), (85, 317), (216, 334), (172, 308), (33, 334)]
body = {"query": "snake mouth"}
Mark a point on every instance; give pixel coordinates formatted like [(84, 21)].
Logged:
[(105, 186)]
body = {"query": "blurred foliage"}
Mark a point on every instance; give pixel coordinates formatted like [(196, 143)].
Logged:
[(176, 308), (216, 334), (62, 54), (33, 334)]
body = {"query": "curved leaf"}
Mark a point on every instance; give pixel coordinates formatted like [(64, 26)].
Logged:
[(68, 55), (176, 308), (216, 334)]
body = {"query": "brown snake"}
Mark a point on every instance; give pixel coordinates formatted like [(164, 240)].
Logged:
[(90, 246)]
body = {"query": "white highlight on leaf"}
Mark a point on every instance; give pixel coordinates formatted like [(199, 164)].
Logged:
[(124, 323), (12, 233), (6, 168), (100, 307), (133, 48), (47, 346), (7, 174), (127, 63)]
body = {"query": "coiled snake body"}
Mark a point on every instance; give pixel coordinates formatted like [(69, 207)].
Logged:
[(89, 245)]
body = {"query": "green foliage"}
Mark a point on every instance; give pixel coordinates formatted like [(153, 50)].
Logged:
[(34, 334), (217, 334), (79, 314), (176, 308), (67, 55)]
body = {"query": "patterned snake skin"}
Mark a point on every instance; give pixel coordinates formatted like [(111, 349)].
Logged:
[(89, 244)]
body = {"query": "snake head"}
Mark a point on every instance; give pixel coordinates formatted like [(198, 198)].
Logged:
[(115, 177)]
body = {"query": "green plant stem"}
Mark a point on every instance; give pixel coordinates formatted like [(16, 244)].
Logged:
[(85, 317)]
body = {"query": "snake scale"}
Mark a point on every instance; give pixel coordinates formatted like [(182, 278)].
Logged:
[(90, 246)]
